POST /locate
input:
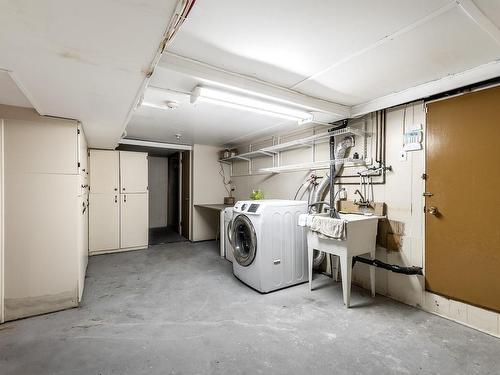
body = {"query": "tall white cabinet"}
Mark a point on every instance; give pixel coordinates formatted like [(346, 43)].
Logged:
[(44, 247), (118, 204)]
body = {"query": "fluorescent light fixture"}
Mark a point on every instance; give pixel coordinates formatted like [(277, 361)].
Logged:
[(311, 120), (169, 105), (248, 103)]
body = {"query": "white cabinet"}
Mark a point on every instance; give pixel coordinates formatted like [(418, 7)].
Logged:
[(43, 146), (133, 172), (44, 226), (118, 218), (104, 172), (104, 222), (134, 220)]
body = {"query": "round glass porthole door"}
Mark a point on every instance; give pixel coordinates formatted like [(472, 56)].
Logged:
[(244, 240)]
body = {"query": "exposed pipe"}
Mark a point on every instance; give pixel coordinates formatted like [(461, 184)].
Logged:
[(413, 270), (322, 189)]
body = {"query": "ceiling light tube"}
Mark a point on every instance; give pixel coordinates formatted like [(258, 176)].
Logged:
[(248, 103)]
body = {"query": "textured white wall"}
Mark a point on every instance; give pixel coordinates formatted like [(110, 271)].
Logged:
[(158, 191), (207, 189)]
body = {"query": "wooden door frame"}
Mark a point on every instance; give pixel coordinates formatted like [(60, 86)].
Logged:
[(190, 189)]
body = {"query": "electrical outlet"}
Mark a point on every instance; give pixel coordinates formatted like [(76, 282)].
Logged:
[(403, 155), (343, 195)]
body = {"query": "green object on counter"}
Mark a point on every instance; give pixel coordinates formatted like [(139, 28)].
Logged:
[(257, 195)]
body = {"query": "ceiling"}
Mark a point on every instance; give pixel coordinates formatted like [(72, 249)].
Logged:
[(361, 55), (84, 60), (10, 94), (88, 60)]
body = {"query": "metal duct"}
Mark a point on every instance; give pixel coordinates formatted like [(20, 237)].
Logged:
[(320, 192)]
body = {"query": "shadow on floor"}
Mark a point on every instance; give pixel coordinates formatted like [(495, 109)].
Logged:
[(163, 235)]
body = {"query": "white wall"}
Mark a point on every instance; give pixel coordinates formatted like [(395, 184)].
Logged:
[(158, 191), (402, 193), (208, 188)]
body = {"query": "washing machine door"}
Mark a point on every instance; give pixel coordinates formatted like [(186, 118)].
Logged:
[(244, 240)]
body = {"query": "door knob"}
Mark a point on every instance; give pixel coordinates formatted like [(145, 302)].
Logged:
[(433, 210)]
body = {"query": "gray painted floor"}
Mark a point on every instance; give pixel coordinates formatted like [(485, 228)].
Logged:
[(164, 235), (177, 309)]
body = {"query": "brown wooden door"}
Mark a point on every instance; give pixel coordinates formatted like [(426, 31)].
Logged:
[(185, 194), (462, 244)]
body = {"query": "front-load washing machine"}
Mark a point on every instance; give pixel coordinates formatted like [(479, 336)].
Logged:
[(269, 248)]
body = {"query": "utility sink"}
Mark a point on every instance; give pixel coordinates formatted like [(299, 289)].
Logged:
[(360, 239)]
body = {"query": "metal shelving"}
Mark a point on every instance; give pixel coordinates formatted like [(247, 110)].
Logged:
[(316, 165), (296, 143), (311, 141)]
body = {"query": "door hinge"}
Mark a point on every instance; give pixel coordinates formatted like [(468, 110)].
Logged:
[(77, 131), (424, 176), (78, 164)]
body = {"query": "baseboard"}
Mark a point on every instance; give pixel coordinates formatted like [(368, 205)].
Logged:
[(101, 252)]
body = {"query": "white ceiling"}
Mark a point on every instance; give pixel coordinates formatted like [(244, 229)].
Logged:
[(353, 53), (87, 60), (10, 94), (203, 123), (84, 60)]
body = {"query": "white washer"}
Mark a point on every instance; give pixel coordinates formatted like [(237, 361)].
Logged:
[(270, 249)]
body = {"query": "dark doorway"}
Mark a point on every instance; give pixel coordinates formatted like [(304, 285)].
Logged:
[(174, 192), (186, 192), (165, 178)]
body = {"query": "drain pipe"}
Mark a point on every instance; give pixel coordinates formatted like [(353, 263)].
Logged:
[(413, 270)]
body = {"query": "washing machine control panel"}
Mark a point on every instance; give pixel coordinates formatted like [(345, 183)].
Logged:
[(253, 208), (247, 207)]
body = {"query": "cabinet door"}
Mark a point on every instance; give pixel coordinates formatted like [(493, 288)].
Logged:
[(133, 172), (40, 257), (104, 172), (43, 146), (134, 220), (104, 222)]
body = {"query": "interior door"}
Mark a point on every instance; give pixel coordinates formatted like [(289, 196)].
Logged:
[(133, 172), (185, 192), (104, 171), (462, 244), (134, 220), (104, 222)]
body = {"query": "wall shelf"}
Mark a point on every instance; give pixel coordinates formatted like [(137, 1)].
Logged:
[(325, 164), (296, 143)]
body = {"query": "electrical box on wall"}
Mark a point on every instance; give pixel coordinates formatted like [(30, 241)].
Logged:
[(412, 138)]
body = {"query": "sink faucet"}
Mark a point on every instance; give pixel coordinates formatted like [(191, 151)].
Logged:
[(362, 202)]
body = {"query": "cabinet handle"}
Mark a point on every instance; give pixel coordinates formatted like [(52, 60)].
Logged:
[(116, 199)]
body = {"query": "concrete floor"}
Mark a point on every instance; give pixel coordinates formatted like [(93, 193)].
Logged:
[(164, 235), (177, 309)]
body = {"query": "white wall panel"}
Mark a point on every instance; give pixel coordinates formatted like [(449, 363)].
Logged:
[(207, 189)]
